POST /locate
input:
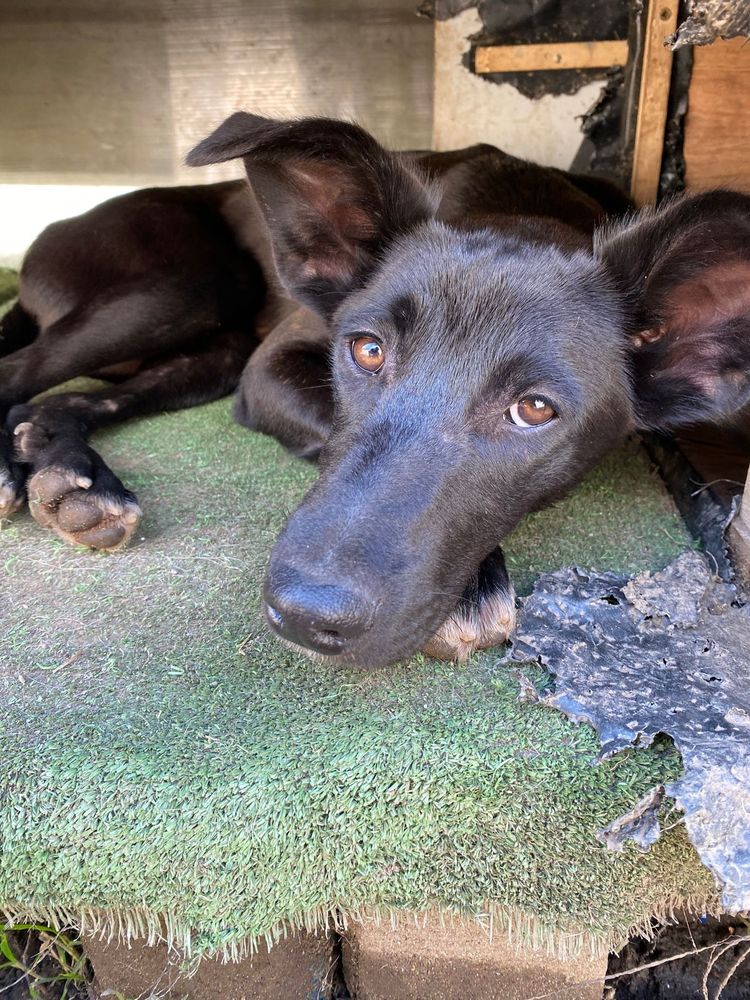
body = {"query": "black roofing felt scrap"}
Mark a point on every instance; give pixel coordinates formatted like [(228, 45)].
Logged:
[(667, 652), (709, 20)]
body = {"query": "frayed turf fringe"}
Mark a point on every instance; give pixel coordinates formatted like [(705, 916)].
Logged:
[(133, 926)]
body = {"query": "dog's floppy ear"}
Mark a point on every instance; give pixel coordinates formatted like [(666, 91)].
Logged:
[(685, 273), (332, 197)]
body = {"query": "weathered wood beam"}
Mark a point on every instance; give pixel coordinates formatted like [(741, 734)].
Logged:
[(661, 20), (561, 55)]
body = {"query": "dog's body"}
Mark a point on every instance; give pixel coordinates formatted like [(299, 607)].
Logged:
[(461, 357), (484, 357), (168, 291)]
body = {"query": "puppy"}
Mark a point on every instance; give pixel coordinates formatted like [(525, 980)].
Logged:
[(478, 348)]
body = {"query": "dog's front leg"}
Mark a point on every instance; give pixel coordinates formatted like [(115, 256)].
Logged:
[(485, 616), (12, 478), (71, 489), (285, 390)]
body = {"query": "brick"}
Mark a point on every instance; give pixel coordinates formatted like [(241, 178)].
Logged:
[(296, 968), (456, 962)]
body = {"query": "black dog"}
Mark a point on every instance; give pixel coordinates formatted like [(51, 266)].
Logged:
[(484, 356), (167, 291)]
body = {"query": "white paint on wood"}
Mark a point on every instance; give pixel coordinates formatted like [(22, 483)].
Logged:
[(469, 109), (744, 513)]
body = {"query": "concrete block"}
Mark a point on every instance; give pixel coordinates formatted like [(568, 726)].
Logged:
[(456, 962), (296, 968)]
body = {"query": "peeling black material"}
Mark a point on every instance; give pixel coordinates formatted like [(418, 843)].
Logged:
[(532, 21), (441, 10), (669, 653), (672, 178), (526, 22), (711, 19), (703, 511), (640, 824), (601, 151)]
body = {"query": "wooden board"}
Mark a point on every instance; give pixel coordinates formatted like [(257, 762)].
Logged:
[(562, 55), (661, 20), (717, 127)]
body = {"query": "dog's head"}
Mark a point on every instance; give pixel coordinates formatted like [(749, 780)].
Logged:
[(479, 370)]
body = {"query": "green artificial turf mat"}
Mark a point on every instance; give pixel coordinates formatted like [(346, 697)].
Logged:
[(8, 285), (166, 762)]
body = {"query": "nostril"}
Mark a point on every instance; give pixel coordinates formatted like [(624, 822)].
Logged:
[(274, 616), (324, 618)]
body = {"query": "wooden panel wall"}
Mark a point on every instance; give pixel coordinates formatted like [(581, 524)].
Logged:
[(717, 127)]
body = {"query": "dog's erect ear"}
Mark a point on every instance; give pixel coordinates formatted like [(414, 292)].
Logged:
[(685, 273), (332, 197)]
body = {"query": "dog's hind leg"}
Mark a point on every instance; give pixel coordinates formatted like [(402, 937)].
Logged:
[(71, 490), (485, 616)]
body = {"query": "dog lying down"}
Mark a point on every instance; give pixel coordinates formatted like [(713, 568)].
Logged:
[(473, 337)]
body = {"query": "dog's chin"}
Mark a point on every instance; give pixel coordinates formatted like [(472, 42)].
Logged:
[(364, 661), (311, 654)]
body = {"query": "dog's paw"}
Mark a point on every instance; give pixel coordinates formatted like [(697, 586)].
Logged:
[(485, 615), (12, 493), (83, 509)]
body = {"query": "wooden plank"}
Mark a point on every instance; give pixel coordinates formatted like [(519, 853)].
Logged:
[(717, 126), (661, 20), (562, 55)]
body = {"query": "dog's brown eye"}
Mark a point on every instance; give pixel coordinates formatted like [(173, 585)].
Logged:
[(368, 354), (531, 411)]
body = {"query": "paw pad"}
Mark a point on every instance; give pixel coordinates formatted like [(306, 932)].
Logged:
[(69, 504)]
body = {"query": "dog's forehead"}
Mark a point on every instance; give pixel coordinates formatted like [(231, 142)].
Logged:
[(443, 283)]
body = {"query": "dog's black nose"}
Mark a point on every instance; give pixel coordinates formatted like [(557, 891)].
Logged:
[(322, 618)]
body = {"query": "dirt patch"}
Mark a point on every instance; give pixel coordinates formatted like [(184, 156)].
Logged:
[(724, 943)]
